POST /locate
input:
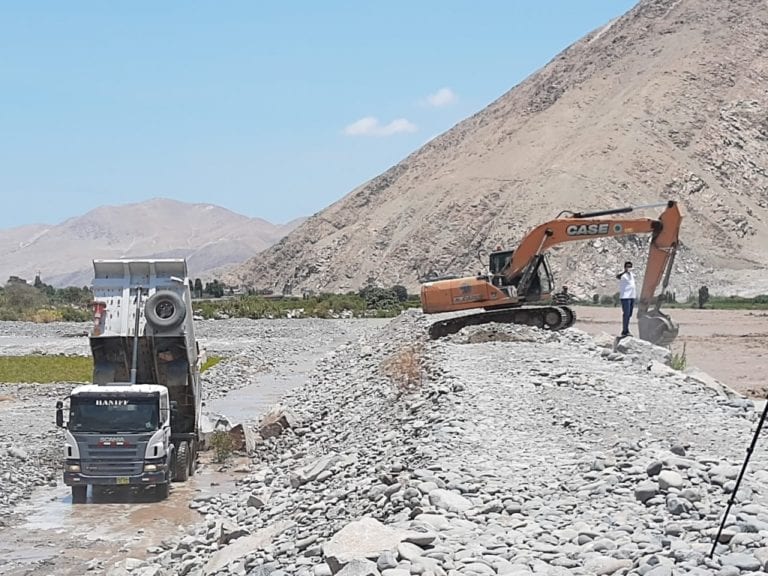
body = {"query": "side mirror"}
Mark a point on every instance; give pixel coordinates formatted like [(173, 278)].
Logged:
[(60, 414)]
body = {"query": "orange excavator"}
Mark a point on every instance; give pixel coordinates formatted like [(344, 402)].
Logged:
[(520, 278)]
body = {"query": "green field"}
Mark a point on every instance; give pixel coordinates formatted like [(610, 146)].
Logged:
[(47, 369)]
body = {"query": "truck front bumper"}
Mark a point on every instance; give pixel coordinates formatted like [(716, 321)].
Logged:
[(145, 479)]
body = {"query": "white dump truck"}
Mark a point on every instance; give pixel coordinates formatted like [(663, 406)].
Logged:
[(137, 424)]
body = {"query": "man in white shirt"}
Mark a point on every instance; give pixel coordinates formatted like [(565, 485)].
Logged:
[(627, 295)]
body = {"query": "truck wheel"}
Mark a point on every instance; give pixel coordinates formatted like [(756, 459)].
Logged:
[(192, 457), (79, 494), (181, 467), (165, 310), (162, 490)]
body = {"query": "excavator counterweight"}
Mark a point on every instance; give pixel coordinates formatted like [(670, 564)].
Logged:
[(519, 282)]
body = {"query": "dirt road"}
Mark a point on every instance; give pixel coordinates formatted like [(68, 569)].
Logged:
[(731, 345)]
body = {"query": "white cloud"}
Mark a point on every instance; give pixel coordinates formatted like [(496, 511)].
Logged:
[(441, 98), (370, 126)]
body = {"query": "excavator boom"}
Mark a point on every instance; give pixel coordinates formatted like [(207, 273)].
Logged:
[(523, 278)]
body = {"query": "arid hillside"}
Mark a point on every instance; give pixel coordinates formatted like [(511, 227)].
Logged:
[(667, 102), (208, 236)]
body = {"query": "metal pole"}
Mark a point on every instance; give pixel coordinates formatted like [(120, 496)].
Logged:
[(738, 480), (135, 359)]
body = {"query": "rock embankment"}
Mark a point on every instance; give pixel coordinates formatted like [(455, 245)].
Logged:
[(497, 451)]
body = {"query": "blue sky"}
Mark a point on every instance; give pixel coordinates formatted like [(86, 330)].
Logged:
[(270, 109)]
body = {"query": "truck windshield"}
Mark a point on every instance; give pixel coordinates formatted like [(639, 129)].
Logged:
[(110, 415)]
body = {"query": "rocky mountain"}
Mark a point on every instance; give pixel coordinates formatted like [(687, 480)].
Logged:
[(210, 237), (668, 101)]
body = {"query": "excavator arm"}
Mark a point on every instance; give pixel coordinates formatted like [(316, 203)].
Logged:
[(653, 324), (582, 227)]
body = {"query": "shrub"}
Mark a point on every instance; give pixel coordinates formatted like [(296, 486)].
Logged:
[(377, 298), (44, 316), (404, 369), (400, 292), (679, 361), (210, 362), (70, 314), (222, 445), (703, 296)]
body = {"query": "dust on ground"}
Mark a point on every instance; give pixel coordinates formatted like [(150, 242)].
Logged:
[(730, 345)]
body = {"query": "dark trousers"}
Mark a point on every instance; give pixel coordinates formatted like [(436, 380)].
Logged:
[(627, 307)]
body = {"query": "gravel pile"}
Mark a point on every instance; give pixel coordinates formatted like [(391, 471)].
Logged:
[(30, 443), (511, 451)]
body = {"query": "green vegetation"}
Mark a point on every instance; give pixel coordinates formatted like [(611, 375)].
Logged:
[(368, 302), (222, 445), (703, 296), (46, 369), (210, 362), (39, 302), (679, 361)]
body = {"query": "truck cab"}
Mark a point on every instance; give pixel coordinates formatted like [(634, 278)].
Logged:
[(117, 435), (137, 423)]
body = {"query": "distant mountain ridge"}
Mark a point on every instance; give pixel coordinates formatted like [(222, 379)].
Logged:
[(668, 101), (208, 236)]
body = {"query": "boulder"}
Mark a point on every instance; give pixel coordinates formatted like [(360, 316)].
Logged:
[(244, 546), (359, 567), (641, 351), (244, 438), (742, 561), (447, 500), (646, 490), (312, 471), (277, 419), (364, 539), (228, 531), (210, 423), (670, 479), (18, 453)]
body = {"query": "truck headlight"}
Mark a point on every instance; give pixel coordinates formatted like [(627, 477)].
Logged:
[(73, 467), (150, 467)]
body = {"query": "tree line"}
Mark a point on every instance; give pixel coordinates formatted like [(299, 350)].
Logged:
[(40, 302)]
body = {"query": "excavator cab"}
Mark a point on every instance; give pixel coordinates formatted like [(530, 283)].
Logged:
[(539, 279), (498, 260), (536, 282)]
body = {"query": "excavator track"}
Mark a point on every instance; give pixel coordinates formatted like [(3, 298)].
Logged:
[(570, 316), (546, 317)]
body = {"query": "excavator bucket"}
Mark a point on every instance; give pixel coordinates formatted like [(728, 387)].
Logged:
[(657, 328)]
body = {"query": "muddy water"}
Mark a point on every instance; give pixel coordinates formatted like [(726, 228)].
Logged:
[(54, 536), (249, 403)]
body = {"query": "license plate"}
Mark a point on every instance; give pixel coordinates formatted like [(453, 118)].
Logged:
[(123, 480)]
